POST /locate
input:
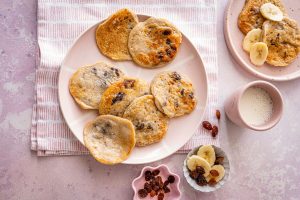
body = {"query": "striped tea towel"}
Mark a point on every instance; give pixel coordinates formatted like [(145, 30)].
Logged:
[(61, 21)]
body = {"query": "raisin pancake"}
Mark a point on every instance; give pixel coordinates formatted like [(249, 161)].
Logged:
[(173, 93), (112, 35), (109, 139), (119, 95), (250, 16), (154, 42), (150, 124), (283, 40), (89, 82)]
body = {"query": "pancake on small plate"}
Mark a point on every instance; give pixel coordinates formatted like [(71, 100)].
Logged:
[(150, 124), (112, 35), (283, 41), (250, 16), (89, 82), (109, 139), (173, 93), (119, 95), (154, 42)]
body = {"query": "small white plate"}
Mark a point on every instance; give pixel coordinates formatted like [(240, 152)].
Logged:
[(84, 51), (234, 38)]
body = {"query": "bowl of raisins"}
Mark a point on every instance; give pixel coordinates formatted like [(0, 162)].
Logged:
[(206, 168), (156, 183)]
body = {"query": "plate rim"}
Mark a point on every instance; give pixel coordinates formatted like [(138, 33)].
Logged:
[(240, 60), (125, 161)]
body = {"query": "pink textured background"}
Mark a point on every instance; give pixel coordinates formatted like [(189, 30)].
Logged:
[(263, 165)]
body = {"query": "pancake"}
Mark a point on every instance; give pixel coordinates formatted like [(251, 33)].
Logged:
[(173, 93), (119, 95), (154, 42), (283, 40), (109, 139), (112, 35), (89, 82), (250, 16), (150, 124)]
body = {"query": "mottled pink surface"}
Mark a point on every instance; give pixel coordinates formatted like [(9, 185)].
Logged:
[(263, 165)]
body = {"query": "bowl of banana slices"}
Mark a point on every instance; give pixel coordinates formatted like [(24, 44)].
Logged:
[(206, 168)]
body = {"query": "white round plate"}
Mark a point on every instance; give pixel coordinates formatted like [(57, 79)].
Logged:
[(84, 51), (234, 38)]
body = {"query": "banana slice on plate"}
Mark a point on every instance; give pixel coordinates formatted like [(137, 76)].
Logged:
[(208, 153), (216, 173), (271, 12), (258, 53), (195, 161), (251, 38)]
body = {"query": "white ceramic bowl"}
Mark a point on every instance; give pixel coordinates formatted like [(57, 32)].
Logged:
[(219, 152)]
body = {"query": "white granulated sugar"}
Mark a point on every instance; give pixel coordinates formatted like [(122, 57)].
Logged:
[(256, 106)]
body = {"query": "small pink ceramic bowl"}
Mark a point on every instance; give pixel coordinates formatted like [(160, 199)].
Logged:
[(232, 106), (138, 183)]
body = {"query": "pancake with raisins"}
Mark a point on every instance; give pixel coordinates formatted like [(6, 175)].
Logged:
[(119, 95), (89, 82), (112, 35), (173, 93), (283, 40), (250, 16), (150, 124), (154, 42), (109, 139)]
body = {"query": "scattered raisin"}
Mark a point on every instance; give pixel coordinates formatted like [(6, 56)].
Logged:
[(155, 188), (218, 114), (191, 95), (169, 52), (200, 170), (219, 161), (156, 172), (206, 125), (171, 179), (160, 196), (176, 76), (167, 32), (139, 126), (173, 47), (182, 92), (168, 41), (149, 127), (160, 55), (158, 180), (147, 187), (142, 193), (212, 182), (214, 172), (118, 97), (214, 131), (148, 175), (194, 174), (201, 180), (166, 189), (129, 83), (166, 183), (152, 193)]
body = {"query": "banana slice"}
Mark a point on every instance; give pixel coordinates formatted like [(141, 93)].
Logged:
[(258, 53), (252, 37), (216, 173), (208, 153), (195, 161), (271, 12)]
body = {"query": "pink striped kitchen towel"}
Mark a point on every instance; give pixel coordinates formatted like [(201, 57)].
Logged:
[(61, 21)]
